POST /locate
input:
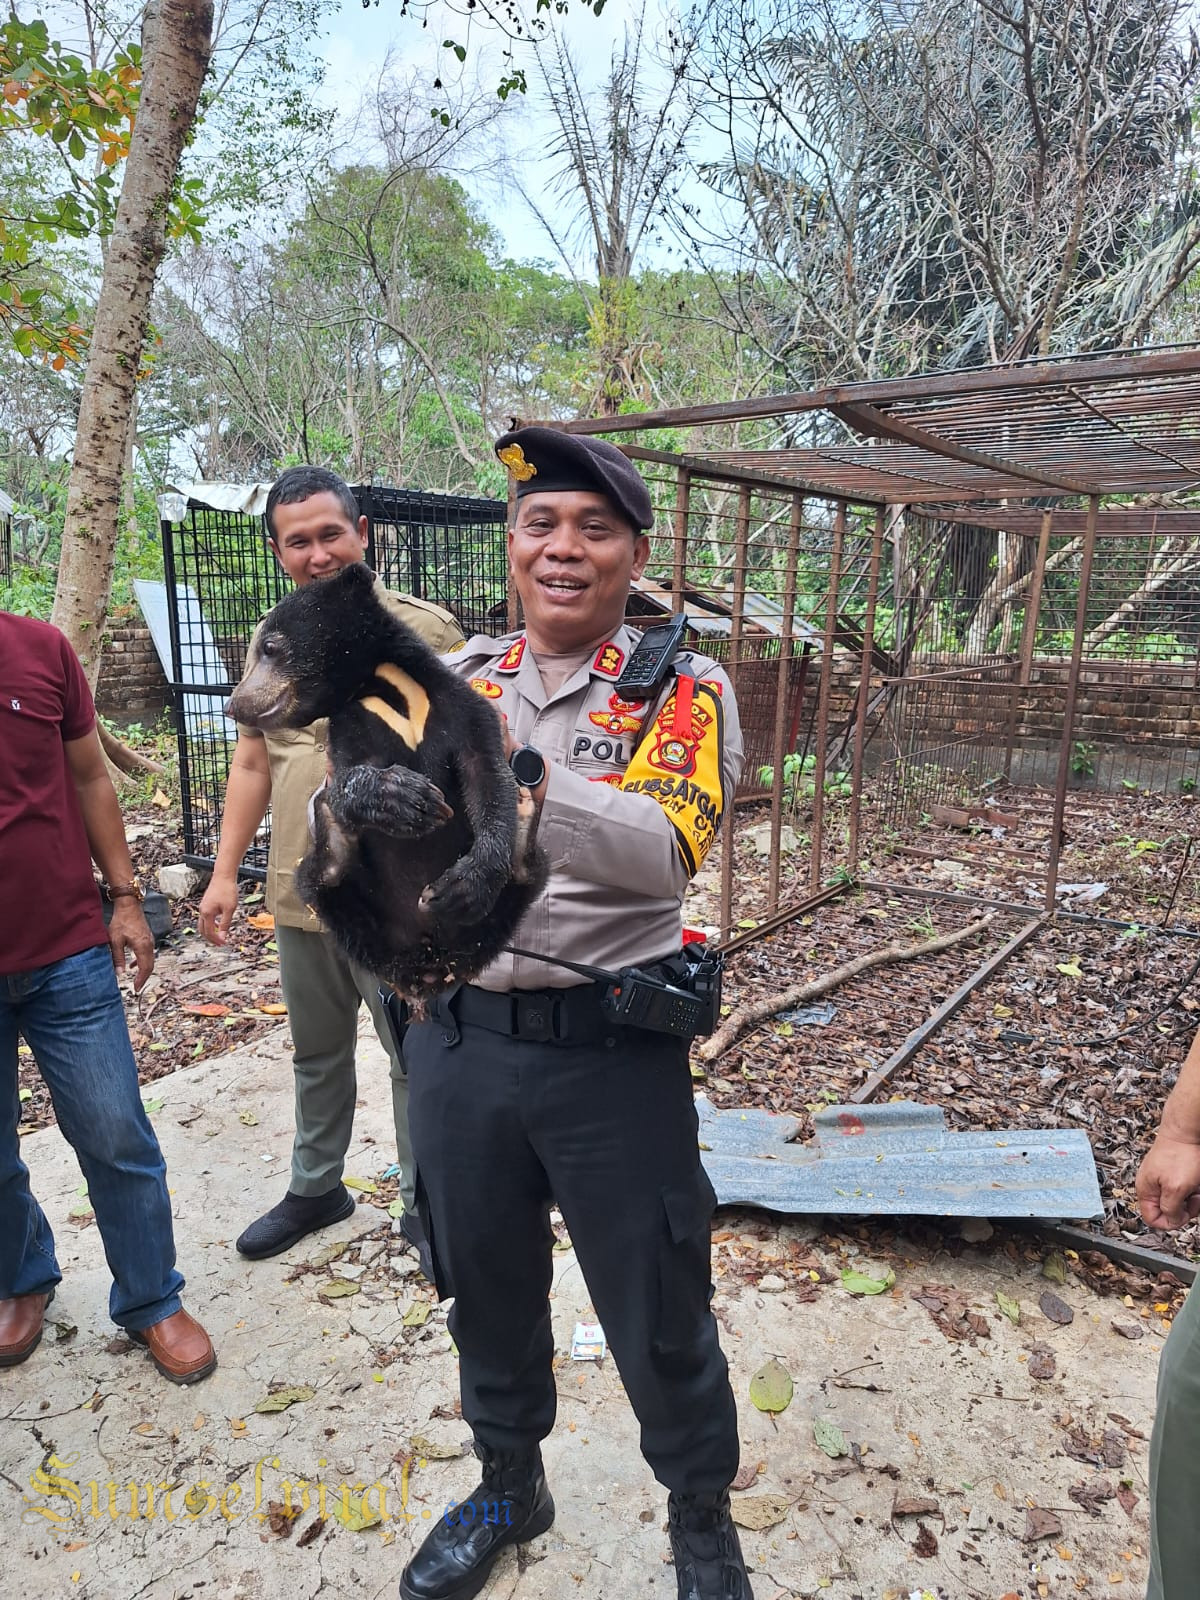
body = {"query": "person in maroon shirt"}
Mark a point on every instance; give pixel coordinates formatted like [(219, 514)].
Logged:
[(58, 989)]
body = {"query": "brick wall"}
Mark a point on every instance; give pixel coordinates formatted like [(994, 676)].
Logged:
[(132, 684)]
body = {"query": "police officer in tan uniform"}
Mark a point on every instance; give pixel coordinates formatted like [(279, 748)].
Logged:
[(315, 530), (524, 1091)]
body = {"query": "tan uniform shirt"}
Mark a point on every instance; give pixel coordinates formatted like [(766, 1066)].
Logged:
[(635, 796), (297, 760)]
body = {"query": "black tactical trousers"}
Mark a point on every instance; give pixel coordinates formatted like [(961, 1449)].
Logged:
[(500, 1127)]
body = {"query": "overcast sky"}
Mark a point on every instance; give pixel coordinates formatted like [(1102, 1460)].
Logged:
[(358, 42)]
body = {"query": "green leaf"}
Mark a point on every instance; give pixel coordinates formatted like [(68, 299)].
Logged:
[(364, 1185), (830, 1438), (858, 1282), (1010, 1308), (1070, 969), (281, 1399), (153, 1105), (24, 1094), (417, 1315), (396, 1209), (771, 1388), (337, 1289), (355, 1515), (1055, 1267)]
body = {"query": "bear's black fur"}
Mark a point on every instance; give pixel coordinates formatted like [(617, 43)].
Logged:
[(423, 858)]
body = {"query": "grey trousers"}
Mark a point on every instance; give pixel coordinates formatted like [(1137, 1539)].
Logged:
[(323, 991), (1175, 1463)]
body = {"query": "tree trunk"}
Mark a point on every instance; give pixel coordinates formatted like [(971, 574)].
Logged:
[(179, 40)]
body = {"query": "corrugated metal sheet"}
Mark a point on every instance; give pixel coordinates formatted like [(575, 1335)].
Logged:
[(897, 1159)]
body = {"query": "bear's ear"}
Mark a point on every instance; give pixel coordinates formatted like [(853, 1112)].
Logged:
[(357, 575)]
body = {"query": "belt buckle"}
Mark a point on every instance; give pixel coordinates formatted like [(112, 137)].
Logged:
[(538, 1017)]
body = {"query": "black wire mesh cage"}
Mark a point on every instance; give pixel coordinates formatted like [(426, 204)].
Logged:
[(221, 578)]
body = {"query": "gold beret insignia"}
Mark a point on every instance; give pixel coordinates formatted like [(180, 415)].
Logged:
[(513, 458)]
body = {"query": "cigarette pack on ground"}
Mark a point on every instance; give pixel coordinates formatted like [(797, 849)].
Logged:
[(587, 1343)]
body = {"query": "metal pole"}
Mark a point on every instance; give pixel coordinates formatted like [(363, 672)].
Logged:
[(1028, 639), (1068, 728), (783, 697), (864, 688), (824, 694), (740, 544), (683, 508)]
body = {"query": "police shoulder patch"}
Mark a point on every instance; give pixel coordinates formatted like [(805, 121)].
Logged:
[(512, 657), (610, 658)]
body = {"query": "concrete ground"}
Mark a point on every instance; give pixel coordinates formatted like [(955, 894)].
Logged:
[(962, 1426)]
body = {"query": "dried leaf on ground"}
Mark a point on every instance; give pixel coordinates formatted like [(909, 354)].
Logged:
[(432, 1451), (1126, 1499), (747, 1474), (1129, 1330), (314, 1531), (949, 1309), (281, 1517), (207, 1008), (759, 1511), (1092, 1494), (1041, 1524), (1042, 1363), (281, 1399), (1055, 1309), (925, 1544), (915, 1505)]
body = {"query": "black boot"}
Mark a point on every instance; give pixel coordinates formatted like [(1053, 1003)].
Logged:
[(704, 1543), (511, 1504), (296, 1216)]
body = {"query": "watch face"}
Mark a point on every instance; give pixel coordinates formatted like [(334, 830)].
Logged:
[(528, 766)]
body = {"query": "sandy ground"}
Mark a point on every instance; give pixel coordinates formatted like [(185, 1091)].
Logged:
[(961, 1425)]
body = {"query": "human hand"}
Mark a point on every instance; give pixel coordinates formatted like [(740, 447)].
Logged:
[(129, 935), (1168, 1182), (510, 744), (217, 907)]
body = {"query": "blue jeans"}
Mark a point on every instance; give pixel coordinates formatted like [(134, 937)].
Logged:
[(72, 1018)]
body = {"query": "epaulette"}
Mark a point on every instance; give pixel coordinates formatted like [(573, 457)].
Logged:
[(398, 599)]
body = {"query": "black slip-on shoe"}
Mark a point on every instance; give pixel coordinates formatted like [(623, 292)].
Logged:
[(295, 1216)]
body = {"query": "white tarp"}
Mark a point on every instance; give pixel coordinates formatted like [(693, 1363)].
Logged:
[(248, 498), (199, 659)]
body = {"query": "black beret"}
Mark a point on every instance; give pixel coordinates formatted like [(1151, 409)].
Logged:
[(543, 459)]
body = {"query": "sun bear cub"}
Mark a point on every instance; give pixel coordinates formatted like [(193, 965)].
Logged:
[(423, 858)]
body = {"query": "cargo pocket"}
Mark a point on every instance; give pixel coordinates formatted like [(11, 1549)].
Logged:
[(685, 1261)]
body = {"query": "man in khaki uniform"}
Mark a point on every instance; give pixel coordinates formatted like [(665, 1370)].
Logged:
[(525, 1090), (315, 530)]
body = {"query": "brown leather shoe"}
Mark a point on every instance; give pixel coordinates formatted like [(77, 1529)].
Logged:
[(179, 1348), (21, 1321)]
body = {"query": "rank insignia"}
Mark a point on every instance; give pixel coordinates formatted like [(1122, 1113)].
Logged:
[(485, 686), (610, 658), (513, 458), (616, 722), (511, 659)]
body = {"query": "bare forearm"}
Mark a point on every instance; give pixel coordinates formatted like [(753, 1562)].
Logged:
[(104, 827), (247, 797), (1181, 1114)]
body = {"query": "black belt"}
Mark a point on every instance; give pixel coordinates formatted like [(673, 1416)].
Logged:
[(544, 1016)]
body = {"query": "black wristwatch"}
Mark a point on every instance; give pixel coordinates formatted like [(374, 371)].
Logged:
[(528, 766)]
